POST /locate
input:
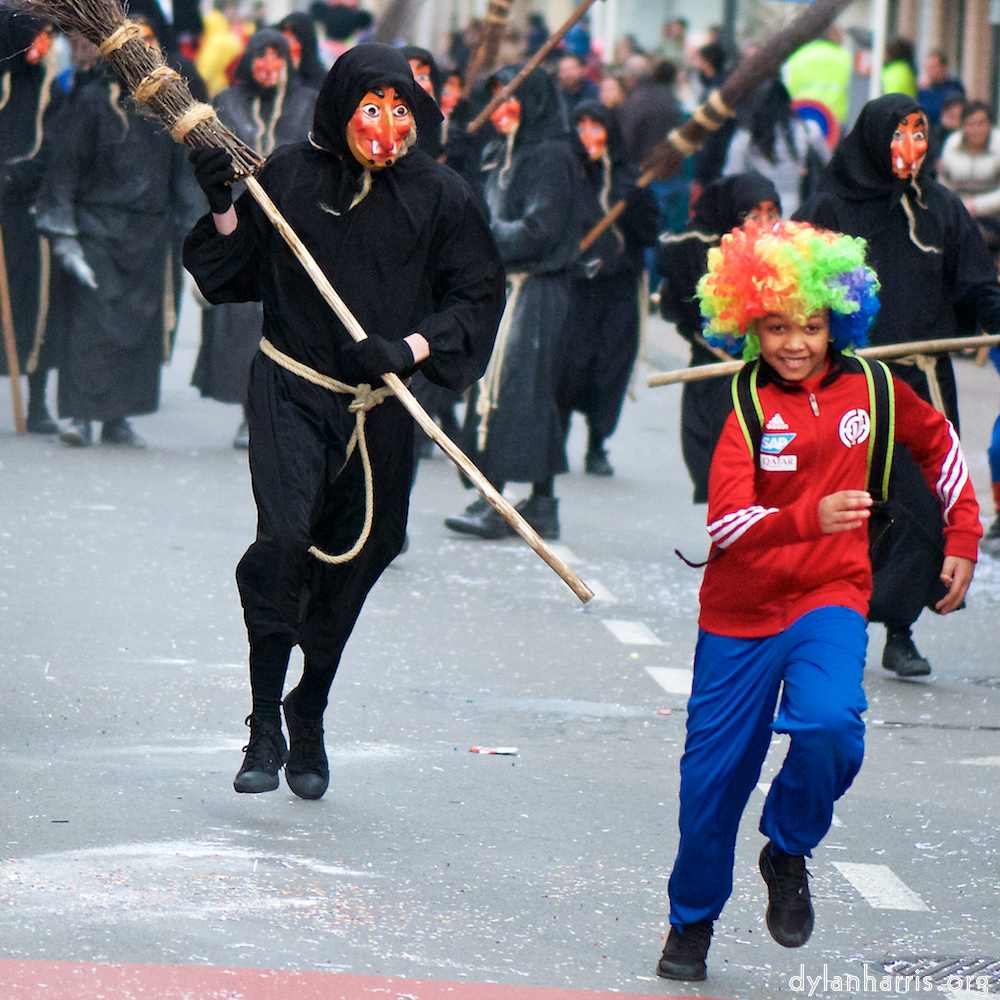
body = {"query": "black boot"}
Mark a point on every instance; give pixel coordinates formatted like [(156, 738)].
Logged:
[(789, 906), (481, 520), (685, 952), (242, 439), (120, 432), (78, 434), (542, 513), (900, 654), (307, 771), (595, 463), (265, 754), (39, 419)]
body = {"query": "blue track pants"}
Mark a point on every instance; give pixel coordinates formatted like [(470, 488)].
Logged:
[(820, 660)]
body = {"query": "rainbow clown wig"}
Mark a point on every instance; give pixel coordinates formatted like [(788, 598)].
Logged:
[(789, 267)]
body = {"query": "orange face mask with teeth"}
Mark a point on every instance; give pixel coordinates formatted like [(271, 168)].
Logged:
[(909, 145), (378, 129), (594, 137)]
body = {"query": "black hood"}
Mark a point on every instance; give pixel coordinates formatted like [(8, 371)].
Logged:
[(17, 31), (260, 41), (423, 56), (363, 68), (861, 167), (604, 116), (301, 26), (542, 113), (151, 12), (723, 204)]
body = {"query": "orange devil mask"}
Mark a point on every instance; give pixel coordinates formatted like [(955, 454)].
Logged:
[(378, 129), (909, 145), (594, 137)]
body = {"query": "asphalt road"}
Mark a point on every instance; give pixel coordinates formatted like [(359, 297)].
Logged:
[(427, 868)]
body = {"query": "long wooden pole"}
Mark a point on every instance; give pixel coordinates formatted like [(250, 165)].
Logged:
[(686, 140), (10, 345), (532, 64), (885, 352), (452, 450), (485, 56)]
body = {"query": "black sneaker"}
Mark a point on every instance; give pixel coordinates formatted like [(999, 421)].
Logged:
[(542, 513), (265, 754), (789, 908), (685, 952), (306, 770), (40, 420), (595, 463), (901, 657), (120, 432), (482, 520), (78, 435)]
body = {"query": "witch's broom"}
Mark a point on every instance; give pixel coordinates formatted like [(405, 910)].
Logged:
[(163, 92)]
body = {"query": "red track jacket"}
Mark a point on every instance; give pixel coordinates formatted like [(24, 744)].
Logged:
[(770, 561)]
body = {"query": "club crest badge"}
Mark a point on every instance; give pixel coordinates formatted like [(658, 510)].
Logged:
[(855, 426)]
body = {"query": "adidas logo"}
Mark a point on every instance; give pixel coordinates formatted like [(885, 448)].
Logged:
[(776, 423)]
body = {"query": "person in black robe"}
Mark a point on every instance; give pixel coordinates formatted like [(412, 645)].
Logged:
[(266, 107), (299, 30), (938, 280), (115, 191), (532, 179), (682, 260), (30, 97), (400, 238), (600, 335)]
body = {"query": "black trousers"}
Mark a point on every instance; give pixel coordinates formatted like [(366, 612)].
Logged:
[(306, 495)]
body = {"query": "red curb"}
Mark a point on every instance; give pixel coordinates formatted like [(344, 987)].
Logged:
[(41, 980)]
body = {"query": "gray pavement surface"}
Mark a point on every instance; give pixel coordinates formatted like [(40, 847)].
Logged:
[(124, 692)]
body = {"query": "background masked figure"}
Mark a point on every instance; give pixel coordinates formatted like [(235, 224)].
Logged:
[(938, 280), (116, 192), (682, 261), (29, 99), (267, 107), (300, 33), (399, 236), (532, 179), (600, 336)]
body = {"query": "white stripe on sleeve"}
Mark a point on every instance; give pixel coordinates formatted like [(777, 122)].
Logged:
[(727, 529), (954, 476)]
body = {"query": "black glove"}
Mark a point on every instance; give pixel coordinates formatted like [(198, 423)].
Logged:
[(213, 170), (376, 356)]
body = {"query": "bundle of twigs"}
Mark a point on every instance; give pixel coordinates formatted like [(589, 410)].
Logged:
[(154, 85)]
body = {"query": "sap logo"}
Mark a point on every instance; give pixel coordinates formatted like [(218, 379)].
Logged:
[(778, 463), (774, 444)]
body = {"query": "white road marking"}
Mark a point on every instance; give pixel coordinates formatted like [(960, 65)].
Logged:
[(882, 888), (631, 633), (673, 680), (601, 593), (981, 761), (765, 787)]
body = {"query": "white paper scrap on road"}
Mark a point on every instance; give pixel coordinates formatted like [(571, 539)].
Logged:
[(601, 593), (673, 680), (631, 633), (882, 888)]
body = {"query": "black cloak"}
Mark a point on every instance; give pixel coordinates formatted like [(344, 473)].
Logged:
[(938, 280), (24, 148), (408, 252), (311, 71), (429, 130), (600, 335), (122, 187), (264, 118), (681, 261), (532, 183)]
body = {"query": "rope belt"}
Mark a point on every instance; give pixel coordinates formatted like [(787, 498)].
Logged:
[(489, 384), (365, 397)]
